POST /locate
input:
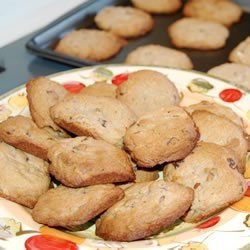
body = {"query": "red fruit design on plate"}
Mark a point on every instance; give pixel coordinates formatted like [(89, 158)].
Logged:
[(247, 193), (230, 95), (41, 242), (209, 223), (73, 87), (118, 79)]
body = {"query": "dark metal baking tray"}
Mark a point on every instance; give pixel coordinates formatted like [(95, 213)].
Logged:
[(83, 17)]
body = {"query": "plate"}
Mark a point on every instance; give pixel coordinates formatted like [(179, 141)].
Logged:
[(227, 230)]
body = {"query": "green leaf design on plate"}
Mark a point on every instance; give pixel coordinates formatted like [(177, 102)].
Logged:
[(176, 228), (247, 220), (101, 74), (194, 246), (246, 247), (200, 85), (9, 227)]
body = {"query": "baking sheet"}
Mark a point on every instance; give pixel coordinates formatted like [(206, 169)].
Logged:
[(43, 42)]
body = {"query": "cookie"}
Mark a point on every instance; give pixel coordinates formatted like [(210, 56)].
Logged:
[(100, 117), (236, 74), (85, 44), (198, 34), (216, 109), (146, 91), (84, 161), (222, 11), (167, 134), (69, 207), (241, 53), (158, 6), (115, 19), (159, 56), (43, 93), (24, 177), (142, 175), (216, 182), (22, 133), (220, 130), (146, 208), (100, 89)]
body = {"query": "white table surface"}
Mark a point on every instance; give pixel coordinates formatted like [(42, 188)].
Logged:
[(21, 17)]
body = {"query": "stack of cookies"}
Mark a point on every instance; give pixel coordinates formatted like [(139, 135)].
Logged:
[(105, 147)]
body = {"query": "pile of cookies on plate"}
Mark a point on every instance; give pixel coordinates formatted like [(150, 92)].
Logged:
[(98, 154)]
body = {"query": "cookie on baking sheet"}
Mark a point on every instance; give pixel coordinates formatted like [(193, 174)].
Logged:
[(158, 55), (241, 53), (167, 134), (69, 207), (158, 6), (146, 208), (198, 34), (146, 91), (22, 133), (221, 11), (222, 131), (84, 161), (100, 117), (216, 109), (124, 21), (85, 44), (216, 182), (43, 93), (100, 89), (236, 74), (24, 177)]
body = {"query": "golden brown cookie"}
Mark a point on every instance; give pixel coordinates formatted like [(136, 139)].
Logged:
[(198, 34), (84, 161), (22, 133), (241, 53), (100, 89), (142, 175), (216, 109), (69, 207), (220, 130), (158, 55), (85, 44), (100, 117), (158, 6), (43, 93), (146, 91), (236, 74), (211, 171), (24, 177), (168, 134), (146, 208), (123, 21), (221, 11)]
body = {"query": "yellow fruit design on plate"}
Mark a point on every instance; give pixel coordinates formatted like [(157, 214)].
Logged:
[(54, 232), (248, 114), (243, 205), (194, 246), (247, 171), (18, 101)]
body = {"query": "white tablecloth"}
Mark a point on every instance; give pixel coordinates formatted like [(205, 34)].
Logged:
[(21, 17)]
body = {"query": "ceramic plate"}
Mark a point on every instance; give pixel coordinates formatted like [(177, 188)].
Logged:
[(227, 230)]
